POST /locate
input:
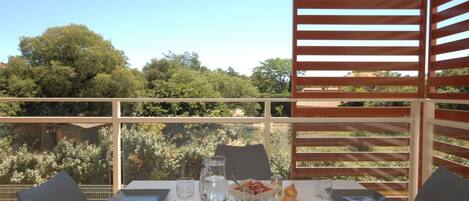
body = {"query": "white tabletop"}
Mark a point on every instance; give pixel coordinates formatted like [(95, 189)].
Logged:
[(306, 188)]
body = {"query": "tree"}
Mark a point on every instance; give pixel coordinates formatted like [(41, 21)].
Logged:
[(272, 76), (69, 61)]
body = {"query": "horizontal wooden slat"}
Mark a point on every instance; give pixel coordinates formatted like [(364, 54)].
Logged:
[(356, 81), (356, 66), (352, 141), (455, 167), (359, 4), (451, 29), (358, 35), (451, 12), (357, 156), (436, 3), (386, 186), (354, 19), (369, 127), (353, 95), (329, 172), (457, 133), (450, 64), (451, 46), (458, 96), (336, 50), (352, 112), (451, 149), (458, 81), (452, 115)]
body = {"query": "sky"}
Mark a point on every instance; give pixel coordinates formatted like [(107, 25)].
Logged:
[(236, 33), (224, 33)]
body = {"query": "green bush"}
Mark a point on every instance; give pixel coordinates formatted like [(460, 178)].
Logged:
[(147, 154)]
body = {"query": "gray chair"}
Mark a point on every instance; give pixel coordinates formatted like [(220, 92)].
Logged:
[(248, 162), (444, 185), (61, 187)]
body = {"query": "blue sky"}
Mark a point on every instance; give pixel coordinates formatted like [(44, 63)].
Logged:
[(237, 33)]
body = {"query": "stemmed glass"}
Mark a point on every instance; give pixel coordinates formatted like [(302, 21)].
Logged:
[(324, 188), (185, 188)]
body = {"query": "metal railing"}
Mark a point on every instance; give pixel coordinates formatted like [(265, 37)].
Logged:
[(116, 120)]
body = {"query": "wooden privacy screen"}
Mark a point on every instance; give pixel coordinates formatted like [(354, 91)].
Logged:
[(366, 39), (445, 24), (449, 79), (357, 41)]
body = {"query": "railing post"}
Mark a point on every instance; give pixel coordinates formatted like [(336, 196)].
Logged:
[(427, 145), (116, 146), (414, 149), (267, 125)]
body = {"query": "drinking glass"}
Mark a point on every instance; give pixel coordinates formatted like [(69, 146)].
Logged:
[(185, 188), (323, 188), (248, 194), (277, 181)]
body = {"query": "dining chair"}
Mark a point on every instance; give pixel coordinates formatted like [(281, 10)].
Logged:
[(247, 162), (61, 187), (444, 185)]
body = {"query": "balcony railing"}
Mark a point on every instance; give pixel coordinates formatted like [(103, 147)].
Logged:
[(409, 171)]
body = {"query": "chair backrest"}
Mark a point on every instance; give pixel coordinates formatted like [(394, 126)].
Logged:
[(248, 162), (61, 187), (444, 185)]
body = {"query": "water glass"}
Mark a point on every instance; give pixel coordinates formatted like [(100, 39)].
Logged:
[(324, 188), (185, 188), (277, 181), (247, 193)]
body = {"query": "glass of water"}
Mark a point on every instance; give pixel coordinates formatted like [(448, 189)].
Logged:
[(185, 188), (323, 188), (277, 181)]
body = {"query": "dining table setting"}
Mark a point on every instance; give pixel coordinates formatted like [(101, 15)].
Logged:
[(213, 185)]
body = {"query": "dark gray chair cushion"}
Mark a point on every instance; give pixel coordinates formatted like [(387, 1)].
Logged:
[(444, 185), (245, 162), (61, 187)]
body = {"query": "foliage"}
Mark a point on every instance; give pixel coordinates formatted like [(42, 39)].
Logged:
[(272, 76), (280, 158), (146, 154), (20, 167), (452, 89), (87, 163), (68, 61), (377, 89)]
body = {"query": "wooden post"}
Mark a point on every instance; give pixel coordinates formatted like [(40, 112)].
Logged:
[(267, 126), (427, 145), (116, 147), (414, 149)]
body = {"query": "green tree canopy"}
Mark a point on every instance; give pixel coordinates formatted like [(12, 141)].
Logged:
[(272, 76), (69, 61)]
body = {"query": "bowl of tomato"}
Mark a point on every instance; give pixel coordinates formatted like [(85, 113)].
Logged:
[(253, 190)]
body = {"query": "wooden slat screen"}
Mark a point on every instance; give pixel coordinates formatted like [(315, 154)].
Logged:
[(305, 56), (448, 78), (375, 154), (451, 149), (350, 38)]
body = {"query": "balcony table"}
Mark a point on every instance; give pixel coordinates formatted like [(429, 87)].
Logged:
[(305, 188)]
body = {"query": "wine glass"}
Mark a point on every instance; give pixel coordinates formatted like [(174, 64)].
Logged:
[(185, 188), (323, 186)]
